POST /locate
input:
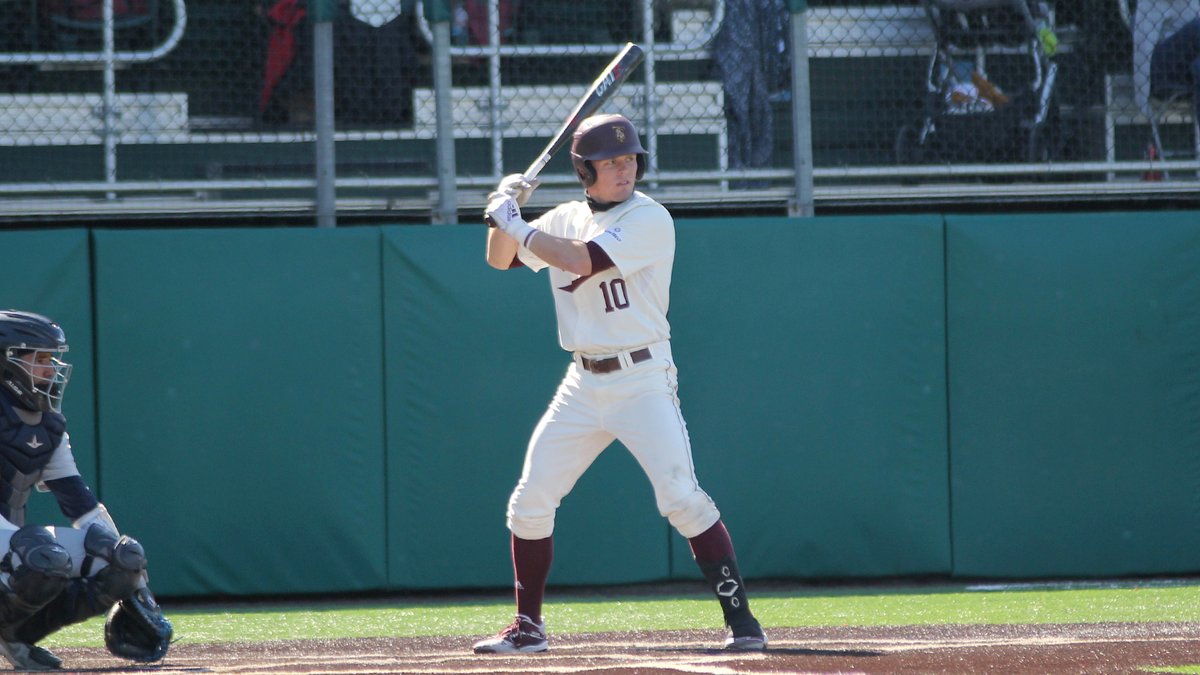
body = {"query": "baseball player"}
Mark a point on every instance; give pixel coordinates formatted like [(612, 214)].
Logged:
[(609, 258), (51, 577)]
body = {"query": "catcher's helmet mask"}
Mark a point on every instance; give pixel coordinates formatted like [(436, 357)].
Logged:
[(24, 336), (604, 137)]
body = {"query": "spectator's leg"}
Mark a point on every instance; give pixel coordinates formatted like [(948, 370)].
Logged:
[(761, 121), (736, 79)]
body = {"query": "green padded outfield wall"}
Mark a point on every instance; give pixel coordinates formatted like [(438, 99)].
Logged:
[(812, 375), (472, 361), (1074, 352), (307, 410), (50, 272), (241, 417)]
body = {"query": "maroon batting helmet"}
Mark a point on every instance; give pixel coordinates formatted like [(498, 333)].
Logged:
[(605, 137)]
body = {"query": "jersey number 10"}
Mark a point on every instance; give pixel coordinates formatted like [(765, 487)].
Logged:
[(616, 296)]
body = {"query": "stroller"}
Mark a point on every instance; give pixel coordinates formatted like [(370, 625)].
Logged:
[(989, 86)]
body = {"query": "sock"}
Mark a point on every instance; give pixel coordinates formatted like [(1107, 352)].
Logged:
[(713, 550), (531, 566), (712, 544)]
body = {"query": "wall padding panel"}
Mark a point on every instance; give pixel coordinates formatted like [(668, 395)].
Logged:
[(1075, 393), (241, 416), (812, 374)]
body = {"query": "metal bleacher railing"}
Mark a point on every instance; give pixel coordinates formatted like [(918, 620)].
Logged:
[(71, 118), (476, 108)]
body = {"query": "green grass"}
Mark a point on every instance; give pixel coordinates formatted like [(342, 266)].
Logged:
[(569, 612)]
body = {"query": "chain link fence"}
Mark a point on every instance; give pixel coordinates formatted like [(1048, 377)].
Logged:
[(1003, 99), (161, 107)]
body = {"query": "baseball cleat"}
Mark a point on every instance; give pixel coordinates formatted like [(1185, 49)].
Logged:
[(29, 657), (752, 640), (521, 636)]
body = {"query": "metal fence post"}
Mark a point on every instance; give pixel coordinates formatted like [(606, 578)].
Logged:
[(323, 13), (802, 153), (446, 211), (111, 133)]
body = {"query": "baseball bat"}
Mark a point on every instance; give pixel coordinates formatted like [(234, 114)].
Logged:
[(606, 84)]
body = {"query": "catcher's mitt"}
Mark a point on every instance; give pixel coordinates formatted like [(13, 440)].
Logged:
[(136, 628)]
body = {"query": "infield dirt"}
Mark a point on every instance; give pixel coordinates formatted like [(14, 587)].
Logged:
[(1053, 648)]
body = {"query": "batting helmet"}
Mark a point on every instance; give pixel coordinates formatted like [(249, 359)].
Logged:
[(604, 137), (23, 334)]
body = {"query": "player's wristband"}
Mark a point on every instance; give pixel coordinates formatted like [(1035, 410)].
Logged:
[(522, 232)]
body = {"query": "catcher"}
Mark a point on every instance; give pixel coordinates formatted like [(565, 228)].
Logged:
[(51, 577)]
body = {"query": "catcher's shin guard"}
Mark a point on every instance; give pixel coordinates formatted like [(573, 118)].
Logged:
[(93, 595), (36, 574), (726, 581), (122, 552), (81, 600)]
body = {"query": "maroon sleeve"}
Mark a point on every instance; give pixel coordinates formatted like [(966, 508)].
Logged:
[(600, 259)]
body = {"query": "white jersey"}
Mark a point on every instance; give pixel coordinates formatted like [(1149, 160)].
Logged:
[(622, 307)]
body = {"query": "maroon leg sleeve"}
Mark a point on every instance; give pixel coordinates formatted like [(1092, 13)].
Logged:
[(531, 566), (712, 544)]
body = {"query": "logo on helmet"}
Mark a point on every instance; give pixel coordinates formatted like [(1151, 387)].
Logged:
[(620, 134)]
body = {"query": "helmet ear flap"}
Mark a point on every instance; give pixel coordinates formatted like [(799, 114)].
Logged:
[(586, 172)]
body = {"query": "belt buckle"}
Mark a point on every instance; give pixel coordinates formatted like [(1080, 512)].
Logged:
[(605, 366), (600, 366)]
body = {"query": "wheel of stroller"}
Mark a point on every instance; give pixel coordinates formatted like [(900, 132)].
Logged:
[(908, 144)]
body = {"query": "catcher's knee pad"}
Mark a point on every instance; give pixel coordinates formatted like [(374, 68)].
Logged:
[(119, 551), (38, 550), (126, 562), (38, 568)]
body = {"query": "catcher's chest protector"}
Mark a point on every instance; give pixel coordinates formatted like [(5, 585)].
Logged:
[(25, 449)]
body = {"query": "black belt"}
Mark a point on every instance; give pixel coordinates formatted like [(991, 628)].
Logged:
[(601, 366)]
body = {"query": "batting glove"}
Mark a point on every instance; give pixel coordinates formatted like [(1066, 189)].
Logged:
[(518, 186), (503, 213)]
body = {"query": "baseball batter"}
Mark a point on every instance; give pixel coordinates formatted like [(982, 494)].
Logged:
[(609, 259), (51, 577)]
